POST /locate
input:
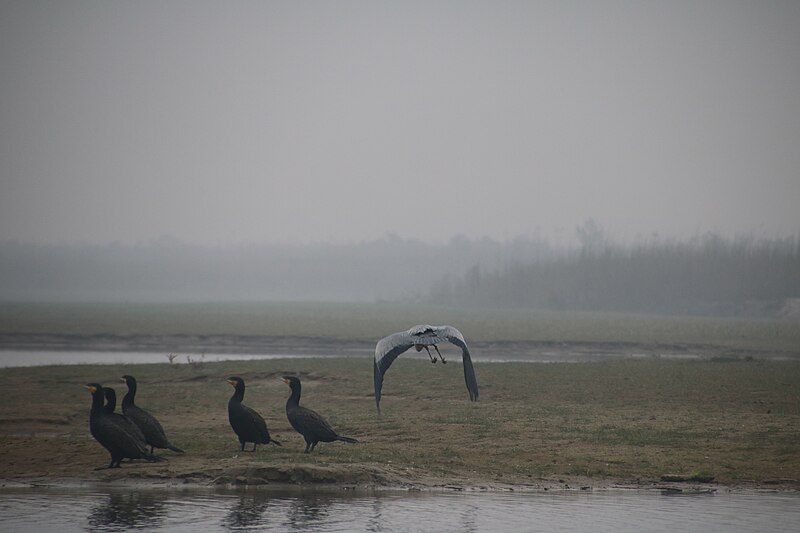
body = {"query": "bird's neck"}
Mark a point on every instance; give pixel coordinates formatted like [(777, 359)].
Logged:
[(97, 401), (238, 395), (294, 399), (127, 400)]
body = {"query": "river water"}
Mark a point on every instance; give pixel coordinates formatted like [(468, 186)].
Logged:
[(66, 509), (15, 358)]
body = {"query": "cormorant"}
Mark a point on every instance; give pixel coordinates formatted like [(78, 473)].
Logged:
[(106, 430), (124, 422), (153, 433), (308, 423), (248, 425), (422, 336)]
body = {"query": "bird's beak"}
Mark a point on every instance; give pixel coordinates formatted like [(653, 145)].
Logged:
[(233, 383), (123, 380), (285, 380), (90, 388)]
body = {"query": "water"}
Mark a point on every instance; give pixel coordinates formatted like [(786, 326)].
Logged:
[(149, 509), (15, 358)]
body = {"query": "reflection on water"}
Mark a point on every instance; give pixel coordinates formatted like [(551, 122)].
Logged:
[(149, 509), (247, 512), (120, 511), (306, 513)]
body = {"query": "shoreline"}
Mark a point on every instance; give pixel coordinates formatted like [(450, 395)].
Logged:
[(235, 480), (573, 485), (196, 346)]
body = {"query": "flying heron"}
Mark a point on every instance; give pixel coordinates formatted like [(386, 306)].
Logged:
[(419, 337)]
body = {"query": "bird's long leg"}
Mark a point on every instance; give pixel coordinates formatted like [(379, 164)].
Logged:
[(440, 355), (433, 359)]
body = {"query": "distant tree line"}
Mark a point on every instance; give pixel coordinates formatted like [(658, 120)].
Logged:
[(707, 275)]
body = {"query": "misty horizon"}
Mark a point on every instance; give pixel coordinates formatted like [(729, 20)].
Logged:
[(706, 275), (558, 238)]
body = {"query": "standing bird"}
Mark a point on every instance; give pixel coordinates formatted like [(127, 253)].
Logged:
[(122, 420), (422, 336), (308, 423), (246, 423), (153, 433), (106, 430)]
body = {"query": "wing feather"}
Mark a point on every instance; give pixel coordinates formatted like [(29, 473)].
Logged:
[(386, 351), (454, 336)]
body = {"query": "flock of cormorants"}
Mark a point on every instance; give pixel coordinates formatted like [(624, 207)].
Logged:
[(127, 435)]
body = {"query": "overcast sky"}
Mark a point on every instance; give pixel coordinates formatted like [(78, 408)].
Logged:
[(236, 122)]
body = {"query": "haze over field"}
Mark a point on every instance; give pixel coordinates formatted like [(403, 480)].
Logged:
[(560, 155), (219, 123)]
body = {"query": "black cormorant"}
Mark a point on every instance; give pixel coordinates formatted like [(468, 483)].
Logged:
[(119, 442), (154, 434), (248, 425), (308, 423), (126, 423)]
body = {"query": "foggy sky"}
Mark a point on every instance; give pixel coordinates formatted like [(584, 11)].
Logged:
[(227, 122)]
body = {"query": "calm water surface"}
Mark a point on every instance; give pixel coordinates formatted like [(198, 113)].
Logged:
[(14, 358), (149, 509)]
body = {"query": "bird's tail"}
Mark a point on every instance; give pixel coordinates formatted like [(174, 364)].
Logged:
[(174, 448), (347, 439)]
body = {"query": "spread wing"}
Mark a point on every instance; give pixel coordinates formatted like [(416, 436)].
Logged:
[(391, 346), (454, 336)]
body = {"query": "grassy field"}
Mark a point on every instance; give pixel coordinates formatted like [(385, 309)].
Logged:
[(539, 425), (736, 419), (369, 322)]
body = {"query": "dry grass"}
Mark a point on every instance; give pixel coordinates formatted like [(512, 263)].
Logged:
[(624, 421)]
